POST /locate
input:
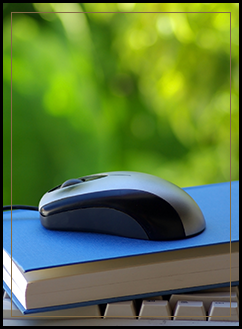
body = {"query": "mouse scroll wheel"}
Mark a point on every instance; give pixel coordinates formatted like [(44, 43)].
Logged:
[(70, 182)]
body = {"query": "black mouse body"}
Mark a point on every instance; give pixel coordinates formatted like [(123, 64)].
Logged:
[(128, 204)]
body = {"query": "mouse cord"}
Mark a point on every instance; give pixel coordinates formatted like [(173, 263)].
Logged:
[(19, 207)]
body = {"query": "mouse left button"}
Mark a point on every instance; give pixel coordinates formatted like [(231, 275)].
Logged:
[(70, 182)]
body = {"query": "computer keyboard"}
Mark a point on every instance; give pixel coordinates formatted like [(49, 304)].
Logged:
[(214, 307)]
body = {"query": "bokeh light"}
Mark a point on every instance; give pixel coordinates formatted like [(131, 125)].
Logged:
[(96, 92)]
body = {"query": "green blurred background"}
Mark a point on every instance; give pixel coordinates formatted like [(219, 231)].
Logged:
[(96, 92)]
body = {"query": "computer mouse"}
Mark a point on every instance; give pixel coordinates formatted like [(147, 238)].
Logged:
[(123, 203)]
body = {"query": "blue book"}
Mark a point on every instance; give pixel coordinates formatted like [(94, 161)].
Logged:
[(58, 269)]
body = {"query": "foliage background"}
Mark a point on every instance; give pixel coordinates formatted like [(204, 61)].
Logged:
[(96, 92)]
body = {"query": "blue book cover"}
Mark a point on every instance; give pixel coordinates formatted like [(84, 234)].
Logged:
[(34, 247)]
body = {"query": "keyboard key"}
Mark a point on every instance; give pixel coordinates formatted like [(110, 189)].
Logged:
[(5, 295), (206, 298), (151, 309), (7, 309), (189, 310), (120, 309), (220, 311)]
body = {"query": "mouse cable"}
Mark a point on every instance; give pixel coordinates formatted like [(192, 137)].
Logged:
[(20, 207)]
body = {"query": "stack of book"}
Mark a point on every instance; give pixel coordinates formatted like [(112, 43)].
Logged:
[(56, 269)]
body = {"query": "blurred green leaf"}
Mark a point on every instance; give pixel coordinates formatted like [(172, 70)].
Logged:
[(96, 92)]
